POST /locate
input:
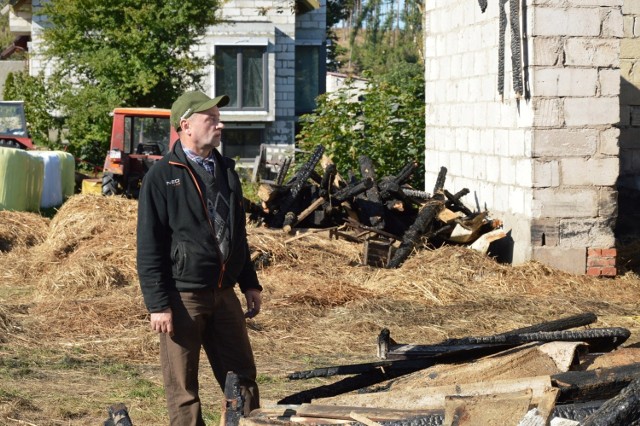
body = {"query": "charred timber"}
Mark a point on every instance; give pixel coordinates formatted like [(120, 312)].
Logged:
[(602, 383), (353, 190), (415, 194), (298, 182), (387, 346), (234, 404), (623, 409), (573, 321), (454, 203), (282, 173), (327, 180), (345, 385), (371, 204), (598, 339), (405, 174), (412, 236)]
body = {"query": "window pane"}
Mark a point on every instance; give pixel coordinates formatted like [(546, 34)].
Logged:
[(152, 135), (242, 143), (227, 73), (128, 124), (307, 78), (252, 77)]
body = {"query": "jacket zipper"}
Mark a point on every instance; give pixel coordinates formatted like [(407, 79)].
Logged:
[(206, 212)]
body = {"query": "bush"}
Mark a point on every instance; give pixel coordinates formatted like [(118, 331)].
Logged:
[(386, 122)]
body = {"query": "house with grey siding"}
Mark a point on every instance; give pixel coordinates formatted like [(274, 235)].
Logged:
[(270, 59)]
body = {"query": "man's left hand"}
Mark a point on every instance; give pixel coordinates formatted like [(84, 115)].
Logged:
[(254, 301)]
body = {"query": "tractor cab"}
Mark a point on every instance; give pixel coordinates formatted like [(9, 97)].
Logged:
[(139, 138), (13, 126)]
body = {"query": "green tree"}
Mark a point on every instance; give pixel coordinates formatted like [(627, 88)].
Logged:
[(385, 34), (385, 122), (337, 10), (38, 104), (110, 53)]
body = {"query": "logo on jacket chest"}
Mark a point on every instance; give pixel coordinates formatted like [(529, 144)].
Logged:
[(173, 182)]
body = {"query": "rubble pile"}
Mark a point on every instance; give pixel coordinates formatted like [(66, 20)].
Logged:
[(547, 373), (386, 214)]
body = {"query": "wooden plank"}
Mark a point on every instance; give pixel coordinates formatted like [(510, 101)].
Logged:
[(487, 410), (433, 398), (363, 419), (373, 413)]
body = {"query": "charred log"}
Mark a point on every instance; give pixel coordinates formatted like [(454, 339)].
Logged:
[(370, 205)]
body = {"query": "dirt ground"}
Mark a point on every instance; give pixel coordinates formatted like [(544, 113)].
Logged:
[(74, 335)]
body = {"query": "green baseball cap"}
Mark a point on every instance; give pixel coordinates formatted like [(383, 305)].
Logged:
[(195, 101)]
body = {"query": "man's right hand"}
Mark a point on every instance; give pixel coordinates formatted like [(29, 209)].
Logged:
[(161, 322)]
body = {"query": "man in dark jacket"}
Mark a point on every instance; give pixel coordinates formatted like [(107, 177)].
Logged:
[(192, 250)]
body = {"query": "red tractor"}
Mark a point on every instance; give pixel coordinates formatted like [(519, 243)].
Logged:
[(13, 126), (139, 138)]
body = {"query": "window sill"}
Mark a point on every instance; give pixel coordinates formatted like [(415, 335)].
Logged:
[(240, 116)]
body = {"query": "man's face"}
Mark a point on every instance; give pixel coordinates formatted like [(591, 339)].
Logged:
[(204, 129)]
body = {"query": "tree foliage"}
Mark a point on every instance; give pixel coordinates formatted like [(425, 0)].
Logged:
[(386, 124), (384, 34), (337, 10), (136, 53), (38, 102)]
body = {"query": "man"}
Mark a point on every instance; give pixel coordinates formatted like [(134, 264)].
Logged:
[(192, 250)]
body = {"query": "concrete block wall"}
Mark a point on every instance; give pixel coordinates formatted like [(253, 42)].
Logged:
[(546, 161), (630, 97)]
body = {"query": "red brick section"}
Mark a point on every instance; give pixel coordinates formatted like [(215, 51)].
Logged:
[(601, 262)]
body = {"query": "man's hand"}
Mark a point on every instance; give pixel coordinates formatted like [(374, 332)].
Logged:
[(161, 322), (254, 300)]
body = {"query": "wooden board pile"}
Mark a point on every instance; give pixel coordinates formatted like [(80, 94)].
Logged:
[(548, 373), (389, 217)]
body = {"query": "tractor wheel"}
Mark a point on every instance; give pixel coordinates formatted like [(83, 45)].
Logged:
[(110, 185), (9, 143)]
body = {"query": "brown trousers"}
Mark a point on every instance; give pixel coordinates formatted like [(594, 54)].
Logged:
[(213, 320)]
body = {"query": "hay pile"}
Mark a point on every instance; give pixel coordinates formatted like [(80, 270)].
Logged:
[(21, 230), (320, 303)]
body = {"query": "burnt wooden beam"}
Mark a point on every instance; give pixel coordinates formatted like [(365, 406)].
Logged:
[(565, 323), (387, 346), (353, 190), (578, 411), (406, 172), (359, 226), (234, 404), (438, 188), (414, 193), (622, 409), (598, 339), (294, 190), (345, 385), (602, 383), (411, 237), (370, 205), (453, 201), (401, 366), (284, 169), (328, 177)]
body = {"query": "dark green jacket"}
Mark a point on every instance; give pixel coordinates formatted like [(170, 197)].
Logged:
[(177, 249)]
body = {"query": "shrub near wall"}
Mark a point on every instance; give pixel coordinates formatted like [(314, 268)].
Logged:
[(385, 122)]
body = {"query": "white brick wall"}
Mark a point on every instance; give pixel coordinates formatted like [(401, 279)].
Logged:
[(629, 99), (549, 155)]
